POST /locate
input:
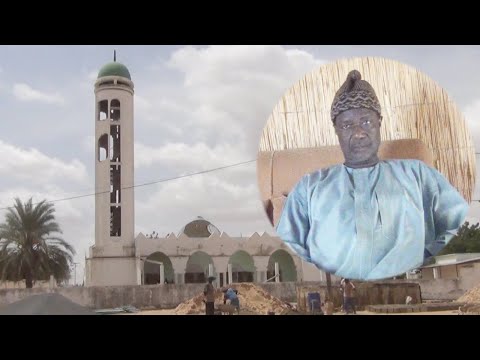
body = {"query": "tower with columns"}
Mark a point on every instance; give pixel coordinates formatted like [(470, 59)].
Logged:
[(112, 258)]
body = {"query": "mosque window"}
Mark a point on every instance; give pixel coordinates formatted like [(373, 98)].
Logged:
[(115, 221), (115, 184), (103, 147), (115, 143), (102, 109), (115, 110)]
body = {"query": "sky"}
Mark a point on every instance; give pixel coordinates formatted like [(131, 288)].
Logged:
[(196, 108)]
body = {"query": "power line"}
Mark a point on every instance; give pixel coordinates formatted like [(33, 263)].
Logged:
[(154, 182), (145, 184)]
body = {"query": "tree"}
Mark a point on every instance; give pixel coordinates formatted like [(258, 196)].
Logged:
[(467, 240), (29, 248)]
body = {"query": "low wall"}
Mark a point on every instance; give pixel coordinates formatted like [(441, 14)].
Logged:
[(286, 291), (21, 284), (170, 295), (367, 293), (142, 297), (442, 289)]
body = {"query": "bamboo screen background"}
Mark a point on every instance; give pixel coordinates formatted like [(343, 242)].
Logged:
[(413, 106)]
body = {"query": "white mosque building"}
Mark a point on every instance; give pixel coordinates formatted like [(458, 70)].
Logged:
[(198, 250)]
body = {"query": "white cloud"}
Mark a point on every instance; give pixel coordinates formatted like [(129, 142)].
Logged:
[(66, 209), (230, 77), (472, 117), (231, 207), (88, 143), (236, 87), (472, 220), (36, 167), (92, 76), (224, 64), (227, 91), (24, 92), (141, 103), (181, 156)]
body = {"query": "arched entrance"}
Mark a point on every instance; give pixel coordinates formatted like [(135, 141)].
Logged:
[(151, 270), (287, 269), (243, 268), (197, 268)]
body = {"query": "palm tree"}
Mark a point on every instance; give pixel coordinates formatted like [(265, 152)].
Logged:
[(28, 247)]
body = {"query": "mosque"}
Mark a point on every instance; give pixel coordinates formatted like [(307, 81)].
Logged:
[(198, 250)]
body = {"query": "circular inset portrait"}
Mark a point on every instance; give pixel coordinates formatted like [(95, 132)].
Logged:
[(366, 168)]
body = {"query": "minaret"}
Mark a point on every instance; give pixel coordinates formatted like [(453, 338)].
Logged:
[(114, 176)]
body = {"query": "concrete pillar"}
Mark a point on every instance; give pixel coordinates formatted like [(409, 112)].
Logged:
[(179, 264), (143, 272), (220, 266), (260, 276), (436, 273), (180, 278), (162, 274), (261, 263), (277, 273), (210, 270), (230, 273), (138, 265)]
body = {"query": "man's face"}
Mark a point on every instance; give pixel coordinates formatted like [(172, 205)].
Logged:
[(358, 132)]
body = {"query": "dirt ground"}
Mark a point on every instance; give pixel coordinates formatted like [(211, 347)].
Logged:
[(172, 312), (446, 312)]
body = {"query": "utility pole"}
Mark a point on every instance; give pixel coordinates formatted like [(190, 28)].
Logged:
[(329, 285)]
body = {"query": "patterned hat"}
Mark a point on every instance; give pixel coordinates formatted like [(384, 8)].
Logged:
[(355, 93)]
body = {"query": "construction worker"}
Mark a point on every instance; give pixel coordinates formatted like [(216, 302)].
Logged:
[(231, 295), (209, 293), (348, 296)]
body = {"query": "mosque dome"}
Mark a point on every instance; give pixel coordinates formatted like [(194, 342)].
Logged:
[(114, 69), (199, 228)]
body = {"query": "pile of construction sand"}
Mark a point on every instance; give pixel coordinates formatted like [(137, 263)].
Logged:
[(471, 299), (252, 298), (472, 296)]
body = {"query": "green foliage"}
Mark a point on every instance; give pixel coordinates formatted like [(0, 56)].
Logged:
[(29, 248), (467, 240)]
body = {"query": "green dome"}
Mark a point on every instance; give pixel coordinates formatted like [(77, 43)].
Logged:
[(114, 69)]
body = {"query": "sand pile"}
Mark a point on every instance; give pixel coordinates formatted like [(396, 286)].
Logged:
[(252, 298), (469, 309), (472, 296)]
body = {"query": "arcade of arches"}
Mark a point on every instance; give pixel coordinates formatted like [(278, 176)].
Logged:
[(240, 267)]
